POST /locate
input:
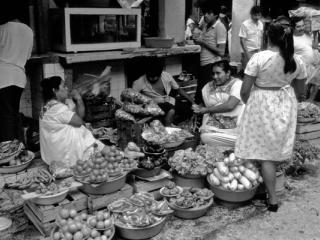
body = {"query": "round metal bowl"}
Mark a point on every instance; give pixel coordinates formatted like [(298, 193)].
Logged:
[(106, 187), (232, 196), (189, 180), (141, 233), (50, 199), (17, 168), (145, 173), (190, 213)]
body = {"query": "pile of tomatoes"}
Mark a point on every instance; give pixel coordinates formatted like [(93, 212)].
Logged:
[(79, 226), (100, 166)]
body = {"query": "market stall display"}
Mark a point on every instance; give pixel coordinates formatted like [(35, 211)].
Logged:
[(41, 176), (73, 225), (9, 149), (156, 133), (191, 203), (18, 163), (234, 181), (140, 216), (136, 106)]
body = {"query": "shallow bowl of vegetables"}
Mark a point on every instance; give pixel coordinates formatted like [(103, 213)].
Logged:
[(232, 195), (191, 213)]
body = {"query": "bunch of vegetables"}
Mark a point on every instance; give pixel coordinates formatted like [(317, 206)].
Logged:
[(233, 175), (190, 162)]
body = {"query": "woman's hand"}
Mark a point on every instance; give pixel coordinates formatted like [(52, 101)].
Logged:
[(197, 40), (198, 109), (75, 95)]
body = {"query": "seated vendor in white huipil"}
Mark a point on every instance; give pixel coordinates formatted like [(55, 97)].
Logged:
[(63, 137), (223, 107)]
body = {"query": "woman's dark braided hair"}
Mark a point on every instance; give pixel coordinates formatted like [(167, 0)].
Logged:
[(280, 34)]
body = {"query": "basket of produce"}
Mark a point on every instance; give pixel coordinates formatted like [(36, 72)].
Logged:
[(9, 149), (191, 203), (18, 163), (234, 182), (170, 190), (140, 216), (48, 194)]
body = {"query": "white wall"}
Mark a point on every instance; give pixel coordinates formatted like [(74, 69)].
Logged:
[(240, 12), (172, 19)]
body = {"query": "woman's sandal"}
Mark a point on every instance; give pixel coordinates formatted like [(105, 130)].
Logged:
[(273, 207)]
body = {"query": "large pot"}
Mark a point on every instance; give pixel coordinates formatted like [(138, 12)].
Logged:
[(189, 180), (110, 186), (141, 233)]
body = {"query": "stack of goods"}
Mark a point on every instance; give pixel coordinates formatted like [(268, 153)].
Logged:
[(233, 175), (80, 226), (100, 166), (137, 110), (100, 109), (156, 133), (139, 215), (136, 106), (308, 127)]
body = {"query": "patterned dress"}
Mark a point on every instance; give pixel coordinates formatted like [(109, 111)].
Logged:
[(268, 124)]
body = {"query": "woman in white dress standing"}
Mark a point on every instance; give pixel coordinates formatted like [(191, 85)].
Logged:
[(273, 81)]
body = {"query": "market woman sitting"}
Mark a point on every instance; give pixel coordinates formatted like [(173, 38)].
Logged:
[(223, 107), (63, 137)]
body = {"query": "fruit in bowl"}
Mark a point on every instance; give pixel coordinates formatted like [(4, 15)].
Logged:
[(102, 220), (170, 190)]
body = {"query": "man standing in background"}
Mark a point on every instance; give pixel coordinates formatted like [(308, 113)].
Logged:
[(251, 35), (213, 45)]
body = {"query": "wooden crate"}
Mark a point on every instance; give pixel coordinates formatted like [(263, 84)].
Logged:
[(308, 131), (129, 131), (48, 213), (44, 228), (96, 202)]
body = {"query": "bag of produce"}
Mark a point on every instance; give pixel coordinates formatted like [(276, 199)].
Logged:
[(153, 109), (123, 115), (132, 95), (133, 108)]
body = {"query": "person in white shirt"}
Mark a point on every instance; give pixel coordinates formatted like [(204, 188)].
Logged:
[(213, 44), (306, 48), (63, 137), (251, 35), (16, 41)]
